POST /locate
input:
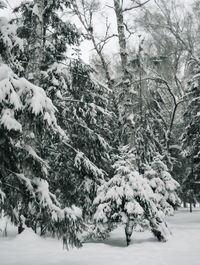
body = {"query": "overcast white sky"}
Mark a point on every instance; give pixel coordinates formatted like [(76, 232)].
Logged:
[(86, 46)]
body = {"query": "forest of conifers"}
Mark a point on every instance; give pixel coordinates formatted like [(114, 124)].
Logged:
[(87, 146)]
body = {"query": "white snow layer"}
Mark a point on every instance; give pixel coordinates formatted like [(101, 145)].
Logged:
[(183, 247), (20, 94)]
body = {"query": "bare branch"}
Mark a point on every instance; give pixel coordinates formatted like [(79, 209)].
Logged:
[(103, 42), (110, 7), (88, 26), (128, 30), (138, 4), (175, 30)]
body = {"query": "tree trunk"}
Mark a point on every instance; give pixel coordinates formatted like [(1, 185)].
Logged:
[(129, 230), (126, 103), (121, 36), (33, 74), (21, 224), (20, 229), (190, 207), (5, 232), (36, 43)]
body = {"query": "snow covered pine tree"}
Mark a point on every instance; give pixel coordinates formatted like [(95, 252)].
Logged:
[(191, 137), (128, 198), (26, 115), (79, 165)]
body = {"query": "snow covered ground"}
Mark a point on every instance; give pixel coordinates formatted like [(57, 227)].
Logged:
[(183, 248)]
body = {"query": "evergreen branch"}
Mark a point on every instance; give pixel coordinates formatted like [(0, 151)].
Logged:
[(14, 188)]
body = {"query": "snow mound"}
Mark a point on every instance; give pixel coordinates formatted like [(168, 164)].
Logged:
[(27, 236), (5, 71)]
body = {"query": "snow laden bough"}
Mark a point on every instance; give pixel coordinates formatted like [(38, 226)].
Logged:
[(26, 117), (128, 198)]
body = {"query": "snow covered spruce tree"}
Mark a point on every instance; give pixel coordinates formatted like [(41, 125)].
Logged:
[(150, 132), (27, 115), (78, 166), (191, 137), (85, 160), (163, 185), (128, 198), (152, 156), (88, 122)]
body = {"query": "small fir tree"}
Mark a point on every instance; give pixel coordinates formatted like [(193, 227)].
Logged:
[(128, 198)]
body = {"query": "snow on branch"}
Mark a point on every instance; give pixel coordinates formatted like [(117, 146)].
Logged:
[(2, 195), (81, 159), (20, 94), (10, 39), (33, 154), (39, 189), (100, 109), (26, 181), (9, 122)]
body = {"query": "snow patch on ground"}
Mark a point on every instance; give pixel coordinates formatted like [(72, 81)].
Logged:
[(183, 248), (27, 236)]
